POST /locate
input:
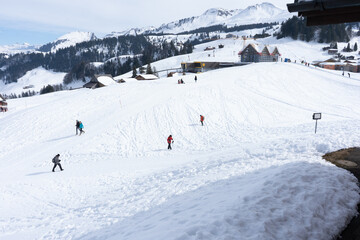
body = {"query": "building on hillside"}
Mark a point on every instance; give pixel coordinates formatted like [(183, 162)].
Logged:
[(332, 51), (255, 53), (146, 77), (120, 79), (353, 67), (209, 48), (98, 81), (3, 104), (200, 66), (347, 65)]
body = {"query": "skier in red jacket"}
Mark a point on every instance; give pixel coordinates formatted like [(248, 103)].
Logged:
[(170, 140), (202, 118)]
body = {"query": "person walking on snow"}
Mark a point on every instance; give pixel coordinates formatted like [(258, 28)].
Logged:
[(170, 141), (77, 126), (202, 118), (56, 162), (195, 78), (81, 126)]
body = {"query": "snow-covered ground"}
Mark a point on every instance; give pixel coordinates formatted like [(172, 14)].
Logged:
[(253, 171), (33, 80), (294, 50)]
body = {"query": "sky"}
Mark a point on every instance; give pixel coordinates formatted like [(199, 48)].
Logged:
[(43, 21)]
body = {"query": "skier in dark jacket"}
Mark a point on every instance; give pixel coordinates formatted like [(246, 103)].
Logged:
[(202, 118), (195, 78), (170, 141), (77, 125), (56, 162)]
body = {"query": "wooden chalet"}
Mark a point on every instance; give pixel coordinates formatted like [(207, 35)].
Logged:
[(3, 104), (98, 81), (252, 53), (146, 77)]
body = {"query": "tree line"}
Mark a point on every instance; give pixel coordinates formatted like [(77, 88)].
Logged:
[(76, 60), (296, 28)]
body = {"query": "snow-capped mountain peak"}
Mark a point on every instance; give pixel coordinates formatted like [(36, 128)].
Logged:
[(67, 40), (77, 36), (217, 12), (259, 13)]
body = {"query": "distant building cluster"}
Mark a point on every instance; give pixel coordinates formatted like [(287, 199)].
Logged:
[(333, 64)]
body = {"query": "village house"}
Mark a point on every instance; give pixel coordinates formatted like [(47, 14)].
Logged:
[(198, 66), (146, 77), (209, 48), (332, 51), (253, 53), (333, 64), (3, 104), (98, 81)]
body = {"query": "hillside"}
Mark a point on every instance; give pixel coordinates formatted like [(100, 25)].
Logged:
[(254, 169)]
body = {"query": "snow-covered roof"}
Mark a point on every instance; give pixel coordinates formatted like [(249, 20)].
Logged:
[(105, 80), (148, 76), (332, 63), (260, 47)]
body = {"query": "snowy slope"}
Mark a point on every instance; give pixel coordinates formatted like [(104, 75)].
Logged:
[(38, 78), (289, 48), (254, 170)]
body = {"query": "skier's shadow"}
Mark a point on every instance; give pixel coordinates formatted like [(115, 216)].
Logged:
[(161, 150), (57, 139), (193, 124), (37, 173)]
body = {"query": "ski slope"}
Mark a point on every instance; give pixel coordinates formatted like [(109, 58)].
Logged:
[(254, 170)]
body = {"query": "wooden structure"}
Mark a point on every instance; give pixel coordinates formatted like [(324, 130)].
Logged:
[(146, 77), (200, 66), (3, 104), (252, 53), (98, 81), (332, 51), (321, 12)]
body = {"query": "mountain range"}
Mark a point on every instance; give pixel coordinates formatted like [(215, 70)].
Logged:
[(259, 13)]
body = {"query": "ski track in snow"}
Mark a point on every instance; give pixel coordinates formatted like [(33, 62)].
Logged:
[(254, 169)]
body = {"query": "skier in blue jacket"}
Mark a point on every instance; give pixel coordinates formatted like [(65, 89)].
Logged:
[(81, 128)]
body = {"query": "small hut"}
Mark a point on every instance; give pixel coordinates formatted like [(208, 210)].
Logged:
[(99, 81), (146, 77)]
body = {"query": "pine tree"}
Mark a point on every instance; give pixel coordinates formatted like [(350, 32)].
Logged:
[(134, 72), (355, 47), (155, 72), (348, 49), (148, 69)]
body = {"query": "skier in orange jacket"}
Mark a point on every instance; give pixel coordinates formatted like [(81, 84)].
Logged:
[(202, 118), (170, 141)]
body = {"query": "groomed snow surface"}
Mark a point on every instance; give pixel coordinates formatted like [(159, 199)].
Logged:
[(253, 171)]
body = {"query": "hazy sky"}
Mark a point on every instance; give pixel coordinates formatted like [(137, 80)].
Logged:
[(42, 21)]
